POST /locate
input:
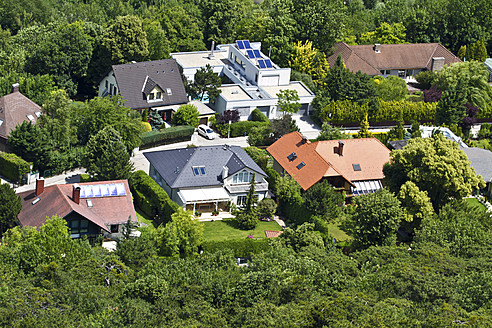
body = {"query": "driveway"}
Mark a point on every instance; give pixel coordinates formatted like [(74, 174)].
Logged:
[(306, 126)]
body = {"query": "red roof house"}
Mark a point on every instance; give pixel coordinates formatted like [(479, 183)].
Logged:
[(89, 208), (356, 165)]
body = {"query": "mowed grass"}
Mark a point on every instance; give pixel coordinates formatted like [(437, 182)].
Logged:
[(144, 219), (474, 202), (338, 233), (227, 229)]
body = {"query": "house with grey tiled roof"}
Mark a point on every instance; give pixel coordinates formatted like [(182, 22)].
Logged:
[(402, 60), (153, 85), (207, 178)]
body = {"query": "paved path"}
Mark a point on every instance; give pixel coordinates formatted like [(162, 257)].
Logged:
[(67, 177), (306, 126)]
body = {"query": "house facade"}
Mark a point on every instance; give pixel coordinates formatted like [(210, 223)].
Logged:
[(402, 60), (207, 179), (153, 85), (351, 165), (15, 108), (90, 209), (256, 80)]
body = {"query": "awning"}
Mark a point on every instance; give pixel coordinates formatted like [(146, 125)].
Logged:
[(203, 195), (366, 187)]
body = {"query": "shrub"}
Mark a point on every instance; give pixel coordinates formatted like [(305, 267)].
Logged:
[(146, 126), (238, 129), (266, 208), (229, 115), (260, 156), (258, 116), (187, 115), (13, 167), (247, 220), (85, 178), (150, 197), (272, 179), (166, 136), (240, 247), (346, 111)]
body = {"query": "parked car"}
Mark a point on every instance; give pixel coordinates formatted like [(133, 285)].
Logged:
[(206, 132)]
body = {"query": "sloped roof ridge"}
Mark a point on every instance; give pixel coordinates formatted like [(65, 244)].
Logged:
[(329, 163), (360, 57), (186, 164), (244, 161)]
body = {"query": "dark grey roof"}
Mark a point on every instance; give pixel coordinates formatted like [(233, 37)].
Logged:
[(133, 81), (481, 161), (398, 144), (176, 166)]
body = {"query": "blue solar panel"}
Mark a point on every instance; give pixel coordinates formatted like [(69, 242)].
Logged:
[(257, 53), (102, 190), (240, 44), (268, 63), (250, 53), (246, 44), (261, 62)]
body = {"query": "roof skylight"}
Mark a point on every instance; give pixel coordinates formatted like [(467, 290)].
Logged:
[(356, 167), (301, 165)]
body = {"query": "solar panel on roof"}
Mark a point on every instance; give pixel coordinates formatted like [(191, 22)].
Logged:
[(102, 190), (240, 44), (250, 53), (257, 53), (261, 63), (247, 45), (268, 63)]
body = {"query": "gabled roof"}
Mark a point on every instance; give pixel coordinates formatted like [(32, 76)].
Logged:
[(176, 166), (57, 200), (321, 160), (14, 109), (137, 79), (392, 56)]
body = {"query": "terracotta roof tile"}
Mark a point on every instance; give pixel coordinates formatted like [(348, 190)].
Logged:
[(392, 56), (322, 161), (57, 200)]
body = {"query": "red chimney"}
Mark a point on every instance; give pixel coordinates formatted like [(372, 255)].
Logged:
[(39, 186), (76, 193)]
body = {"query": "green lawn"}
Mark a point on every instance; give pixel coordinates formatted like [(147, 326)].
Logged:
[(143, 218), (227, 229), (337, 233), (474, 202)]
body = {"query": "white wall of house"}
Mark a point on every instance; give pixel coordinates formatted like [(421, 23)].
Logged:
[(108, 86)]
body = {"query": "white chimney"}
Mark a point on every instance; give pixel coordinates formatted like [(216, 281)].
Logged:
[(225, 172), (211, 55)]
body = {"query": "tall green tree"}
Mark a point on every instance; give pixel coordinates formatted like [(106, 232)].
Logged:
[(323, 200), (179, 237), (10, 206), (376, 219), (186, 115), (206, 83), (435, 165), (31, 143), (451, 108), (288, 101), (107, 157), (385, 34)]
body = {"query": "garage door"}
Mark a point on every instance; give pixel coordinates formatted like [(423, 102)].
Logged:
[(270, 80)]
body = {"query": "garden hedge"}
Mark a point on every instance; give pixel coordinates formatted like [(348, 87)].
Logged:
[(239, 129), (166, 136), (13, 167), (240, 247), (347, 111), (151, 198), (258, 116)]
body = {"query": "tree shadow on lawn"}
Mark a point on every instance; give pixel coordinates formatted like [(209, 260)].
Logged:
[(232, 223)]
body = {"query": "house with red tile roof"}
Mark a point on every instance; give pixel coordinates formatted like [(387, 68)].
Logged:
[(90, 208), (402, 60), (15, 108), (353, 165)]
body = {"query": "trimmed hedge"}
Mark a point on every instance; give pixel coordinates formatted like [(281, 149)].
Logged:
[(13, 167), (347, 111), (272, 179), (151, 198), (239, 129), (240, 247), (166, 136), (258, 116)]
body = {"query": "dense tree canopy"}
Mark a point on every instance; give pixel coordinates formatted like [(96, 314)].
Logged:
[(435, 165)]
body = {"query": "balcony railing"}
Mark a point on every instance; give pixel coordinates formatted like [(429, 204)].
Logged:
[(234, 189)]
